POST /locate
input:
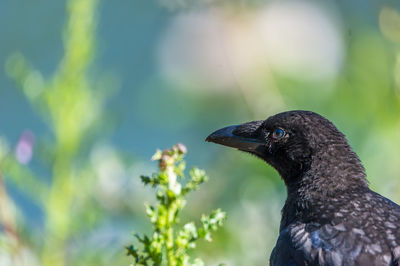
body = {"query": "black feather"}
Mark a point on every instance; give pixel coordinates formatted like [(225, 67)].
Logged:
[(330, 216)]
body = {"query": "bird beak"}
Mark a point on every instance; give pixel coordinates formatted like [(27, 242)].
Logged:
[(239, 137)]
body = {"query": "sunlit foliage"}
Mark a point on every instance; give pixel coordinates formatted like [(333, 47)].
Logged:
[(167, 245), (71, 107)]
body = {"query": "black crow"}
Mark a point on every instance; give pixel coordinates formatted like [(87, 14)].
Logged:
[(330, 216)]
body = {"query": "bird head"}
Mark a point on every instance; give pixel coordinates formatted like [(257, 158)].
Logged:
[(291, 142)]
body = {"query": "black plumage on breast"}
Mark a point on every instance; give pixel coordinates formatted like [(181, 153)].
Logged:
[(358, 229), (330, 216)]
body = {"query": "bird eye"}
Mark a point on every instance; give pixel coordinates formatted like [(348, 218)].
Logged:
[(278, 133)]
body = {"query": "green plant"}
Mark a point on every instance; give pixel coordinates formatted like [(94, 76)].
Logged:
[(168, 245), (70, 104)]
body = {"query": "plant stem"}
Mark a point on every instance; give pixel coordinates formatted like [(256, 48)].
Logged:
[(170, 233), (58, 210), (170, 246)]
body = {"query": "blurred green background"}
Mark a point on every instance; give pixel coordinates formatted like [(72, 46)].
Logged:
[(89, 89)]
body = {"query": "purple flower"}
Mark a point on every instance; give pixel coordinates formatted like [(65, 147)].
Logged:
[(24, 147)]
